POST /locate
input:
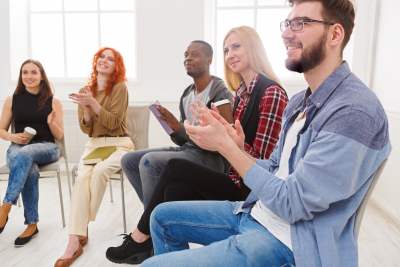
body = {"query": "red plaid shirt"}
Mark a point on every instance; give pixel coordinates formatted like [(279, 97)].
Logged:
[(270, 111)]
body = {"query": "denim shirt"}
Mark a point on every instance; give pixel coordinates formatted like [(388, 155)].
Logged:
[(344, 140)]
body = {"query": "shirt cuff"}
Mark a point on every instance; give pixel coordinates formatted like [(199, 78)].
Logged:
[(256, 177)]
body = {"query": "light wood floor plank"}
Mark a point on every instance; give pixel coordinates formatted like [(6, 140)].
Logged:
[(379, 241)]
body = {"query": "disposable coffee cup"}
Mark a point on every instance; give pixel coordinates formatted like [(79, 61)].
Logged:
[(225, 109), (29, 132)]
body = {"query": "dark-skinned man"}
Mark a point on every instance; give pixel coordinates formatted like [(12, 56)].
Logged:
[(144, 167)]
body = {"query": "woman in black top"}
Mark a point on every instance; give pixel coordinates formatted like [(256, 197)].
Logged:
[(32, 105)]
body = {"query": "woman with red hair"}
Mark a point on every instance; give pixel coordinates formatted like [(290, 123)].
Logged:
[(102, 112)]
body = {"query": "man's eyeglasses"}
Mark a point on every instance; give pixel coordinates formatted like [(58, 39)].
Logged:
[(298, 24)]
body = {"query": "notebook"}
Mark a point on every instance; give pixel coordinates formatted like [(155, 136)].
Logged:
[(99, 154), (155, 111)]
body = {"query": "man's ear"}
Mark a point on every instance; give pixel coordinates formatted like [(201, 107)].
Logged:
[(337, 35), (209, 61)]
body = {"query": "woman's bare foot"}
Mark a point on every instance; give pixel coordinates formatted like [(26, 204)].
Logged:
[(29, 230), (4, 211), (72, 247), (138, 236)]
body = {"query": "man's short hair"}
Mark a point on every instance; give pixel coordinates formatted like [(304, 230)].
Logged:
[(342, 12), (206, 48)]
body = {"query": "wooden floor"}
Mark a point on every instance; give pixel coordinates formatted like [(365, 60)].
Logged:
[(379, 241)]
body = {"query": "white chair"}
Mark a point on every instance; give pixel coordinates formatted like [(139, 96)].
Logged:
[(364, 202), (138, 118), (55, 166)]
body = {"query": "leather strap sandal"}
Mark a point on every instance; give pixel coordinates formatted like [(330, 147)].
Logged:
[(84, 241), (67, 262)]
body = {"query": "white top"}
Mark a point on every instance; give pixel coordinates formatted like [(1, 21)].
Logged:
[(275, 225), (191, 98)]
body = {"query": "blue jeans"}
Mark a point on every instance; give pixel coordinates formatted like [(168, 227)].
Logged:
[(144, 167), (23, 161), (228, 239)]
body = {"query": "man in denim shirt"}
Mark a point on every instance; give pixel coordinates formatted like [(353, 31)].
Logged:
[(303, 203)]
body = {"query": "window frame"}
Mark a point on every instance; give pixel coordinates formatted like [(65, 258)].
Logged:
[(291, 81), (79, 80)]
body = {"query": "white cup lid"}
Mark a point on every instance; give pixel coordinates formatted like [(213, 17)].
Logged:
[(30, 130), (221, 102)]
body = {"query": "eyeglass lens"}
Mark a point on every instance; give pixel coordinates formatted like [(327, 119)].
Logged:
[(295, 25)]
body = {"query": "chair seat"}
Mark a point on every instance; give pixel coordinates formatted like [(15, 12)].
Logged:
[(52, 166), (45, 168), (4, 169)]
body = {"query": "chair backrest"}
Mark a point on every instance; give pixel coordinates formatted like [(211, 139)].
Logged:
[(60, 143), (138, 126), (364, 202)]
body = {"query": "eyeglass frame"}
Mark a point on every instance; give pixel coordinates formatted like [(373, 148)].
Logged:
[(289, 22)]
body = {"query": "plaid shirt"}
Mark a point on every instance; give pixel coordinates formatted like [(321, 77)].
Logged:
[(270, 111)]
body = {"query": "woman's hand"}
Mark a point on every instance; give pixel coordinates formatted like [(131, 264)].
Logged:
[(19, 138), (85, 99), (51, 117)]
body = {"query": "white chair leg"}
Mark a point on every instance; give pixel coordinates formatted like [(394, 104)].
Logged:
[(111, 194), (61, 198), (69, 182), (123, 201), (73, 177), (19, 201)]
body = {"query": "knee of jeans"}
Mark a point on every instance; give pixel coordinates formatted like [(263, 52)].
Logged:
[(156, 216), (25, 152), (126, 161), (34, 170), (150, 161)]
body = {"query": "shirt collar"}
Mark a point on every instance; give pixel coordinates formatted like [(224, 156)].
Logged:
[(322, 93), (242, 86)]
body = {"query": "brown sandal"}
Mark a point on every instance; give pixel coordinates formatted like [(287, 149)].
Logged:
[(67, 262), (84, 241)]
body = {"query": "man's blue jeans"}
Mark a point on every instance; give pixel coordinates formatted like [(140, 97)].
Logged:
[(23, 161), (144, 167), (228, 239)]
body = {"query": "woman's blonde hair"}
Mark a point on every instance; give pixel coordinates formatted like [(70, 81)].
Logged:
[(256, 54)]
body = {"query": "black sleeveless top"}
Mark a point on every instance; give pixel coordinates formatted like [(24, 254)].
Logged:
[(26, 113)]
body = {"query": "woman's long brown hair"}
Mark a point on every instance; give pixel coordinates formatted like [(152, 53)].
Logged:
[(45, 89)]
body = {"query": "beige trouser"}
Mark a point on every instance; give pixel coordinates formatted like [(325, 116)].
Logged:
[(91, 182)]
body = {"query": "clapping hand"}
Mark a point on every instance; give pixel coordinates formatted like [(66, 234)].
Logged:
[(85, 99), (51, 117), (196, 110), (215, 135)]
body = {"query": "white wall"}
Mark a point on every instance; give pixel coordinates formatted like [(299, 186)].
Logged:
[(164, 29), (385, 84)]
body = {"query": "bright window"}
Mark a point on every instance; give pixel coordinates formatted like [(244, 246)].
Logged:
[(64, 34)]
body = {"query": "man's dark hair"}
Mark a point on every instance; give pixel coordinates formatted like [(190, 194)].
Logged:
[(206, 48), (342, 12)]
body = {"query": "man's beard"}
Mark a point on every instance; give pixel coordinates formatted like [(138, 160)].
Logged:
[(310, 58)]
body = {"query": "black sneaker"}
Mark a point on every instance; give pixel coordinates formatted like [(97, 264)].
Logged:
[(130, 252), (22, 241)]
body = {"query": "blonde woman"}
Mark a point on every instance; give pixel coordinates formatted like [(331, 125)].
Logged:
[(102, 112), (258, 106)]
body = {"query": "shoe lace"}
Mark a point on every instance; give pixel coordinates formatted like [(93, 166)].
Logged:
[(126, 240)]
